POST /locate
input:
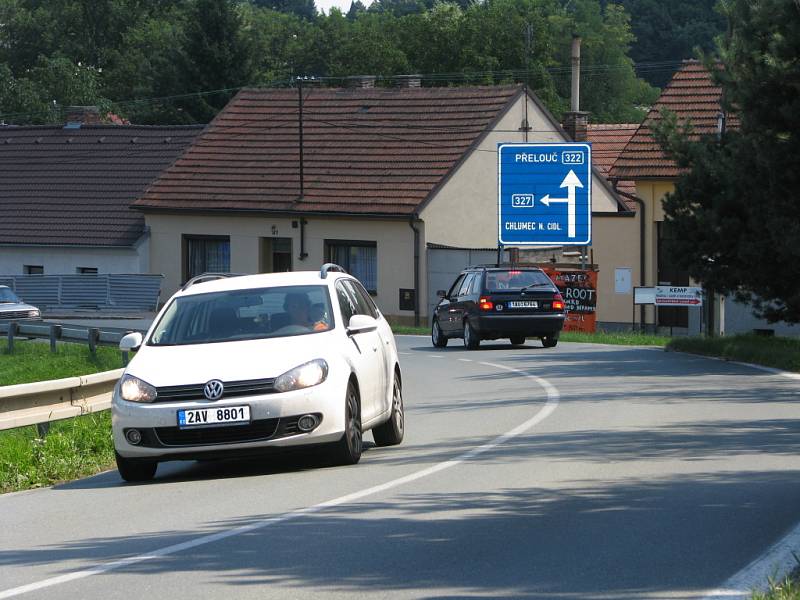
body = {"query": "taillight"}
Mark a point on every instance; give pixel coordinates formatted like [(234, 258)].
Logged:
[(558, 302), (485, 304)]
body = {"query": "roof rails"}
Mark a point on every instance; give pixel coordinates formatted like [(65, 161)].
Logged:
[(330, 268), (208, 277)]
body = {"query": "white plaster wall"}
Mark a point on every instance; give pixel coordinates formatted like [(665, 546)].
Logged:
[(65, 261), (394, 240), (463, 213)]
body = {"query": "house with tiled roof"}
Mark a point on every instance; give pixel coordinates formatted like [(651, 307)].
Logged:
[(380, 180), (694, 97), (66, 191)]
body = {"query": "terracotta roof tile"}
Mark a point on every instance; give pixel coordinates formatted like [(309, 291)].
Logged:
[(608, 141), (75, 186), (692, 96), (367, 151)]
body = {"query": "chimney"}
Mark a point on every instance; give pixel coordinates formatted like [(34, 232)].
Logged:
[(361, 81), (408, 81), (82, 115), (576, 122)]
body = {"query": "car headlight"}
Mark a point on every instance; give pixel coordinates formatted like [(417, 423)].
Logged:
[(134, 389), (307, 375), (34, 314)]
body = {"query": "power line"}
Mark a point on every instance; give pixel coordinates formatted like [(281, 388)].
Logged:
[(452, 77)]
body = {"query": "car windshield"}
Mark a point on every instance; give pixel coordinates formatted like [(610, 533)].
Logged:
[(515, 280), (244, 315), (7, 296)]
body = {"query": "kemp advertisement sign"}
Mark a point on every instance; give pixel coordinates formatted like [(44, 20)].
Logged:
[(579, 289)]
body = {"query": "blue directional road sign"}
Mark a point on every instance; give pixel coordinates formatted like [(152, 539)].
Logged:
[(545, 194)]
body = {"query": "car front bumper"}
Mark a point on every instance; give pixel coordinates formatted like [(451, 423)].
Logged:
[(273, 424)]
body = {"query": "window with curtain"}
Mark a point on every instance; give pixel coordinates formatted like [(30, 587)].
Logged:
[(359, 258), (208, 255)]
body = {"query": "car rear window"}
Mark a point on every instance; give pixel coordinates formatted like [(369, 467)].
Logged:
[(244, 315), (516, 280)]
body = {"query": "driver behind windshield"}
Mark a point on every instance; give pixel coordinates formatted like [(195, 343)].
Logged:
[(301, 312)]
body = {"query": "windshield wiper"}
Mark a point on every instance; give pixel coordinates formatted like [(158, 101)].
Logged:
[(533, 285)]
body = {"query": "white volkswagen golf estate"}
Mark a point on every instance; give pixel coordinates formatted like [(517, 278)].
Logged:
[(235, 365)]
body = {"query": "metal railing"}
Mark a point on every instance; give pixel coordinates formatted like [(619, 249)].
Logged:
[(135, 291), (46, 401), (41, 402), (55, 332)]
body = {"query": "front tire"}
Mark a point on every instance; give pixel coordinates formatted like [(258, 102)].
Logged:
[(471, 339), (135, 469), (348, 449), (437, 337), (391, 432)]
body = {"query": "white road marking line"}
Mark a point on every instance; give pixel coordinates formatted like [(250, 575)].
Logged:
[(465, 359), (550, 406)]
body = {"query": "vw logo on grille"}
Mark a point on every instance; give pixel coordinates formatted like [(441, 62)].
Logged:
[(213, 389)]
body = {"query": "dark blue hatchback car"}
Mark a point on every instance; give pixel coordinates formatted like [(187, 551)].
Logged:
[(493, 302)]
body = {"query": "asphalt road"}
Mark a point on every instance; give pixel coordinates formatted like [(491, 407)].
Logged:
[(578, 472)]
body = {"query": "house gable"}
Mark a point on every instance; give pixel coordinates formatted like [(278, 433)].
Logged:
[(463, 213)]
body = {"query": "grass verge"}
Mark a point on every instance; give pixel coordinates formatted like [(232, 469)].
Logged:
[(72, 449), (32, 361), (601, 337), (778, 352), (786, 589)]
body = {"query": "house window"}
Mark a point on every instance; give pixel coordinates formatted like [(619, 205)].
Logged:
[(360, 259), (33, 270), (87, 270), (207, 255)]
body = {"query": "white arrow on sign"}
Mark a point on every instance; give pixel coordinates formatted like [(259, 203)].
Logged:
[(571, 181)]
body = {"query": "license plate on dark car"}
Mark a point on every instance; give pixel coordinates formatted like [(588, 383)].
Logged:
[(523, 304)]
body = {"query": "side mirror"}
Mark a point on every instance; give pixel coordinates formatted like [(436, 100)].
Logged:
[(441, 293), (361, 324), (132, 341)]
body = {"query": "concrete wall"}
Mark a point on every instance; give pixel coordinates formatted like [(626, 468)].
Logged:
[(65, 261), (394, 240), (463, 213)]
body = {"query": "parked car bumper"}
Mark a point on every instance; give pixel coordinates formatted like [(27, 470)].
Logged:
[(493, 326)]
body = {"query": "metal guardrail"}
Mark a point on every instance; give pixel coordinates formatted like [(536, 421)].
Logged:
[(55, 332), (46, 401)]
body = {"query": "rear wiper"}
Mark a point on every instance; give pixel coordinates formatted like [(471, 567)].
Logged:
[(533, 285)]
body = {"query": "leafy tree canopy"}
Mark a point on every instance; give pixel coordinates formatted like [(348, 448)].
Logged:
[(164, 62), (735, 209)]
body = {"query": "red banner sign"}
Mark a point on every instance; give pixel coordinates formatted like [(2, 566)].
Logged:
[(579, 289)]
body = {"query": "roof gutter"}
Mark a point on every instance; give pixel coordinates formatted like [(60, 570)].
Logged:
[(412, 221), (642, 232)]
